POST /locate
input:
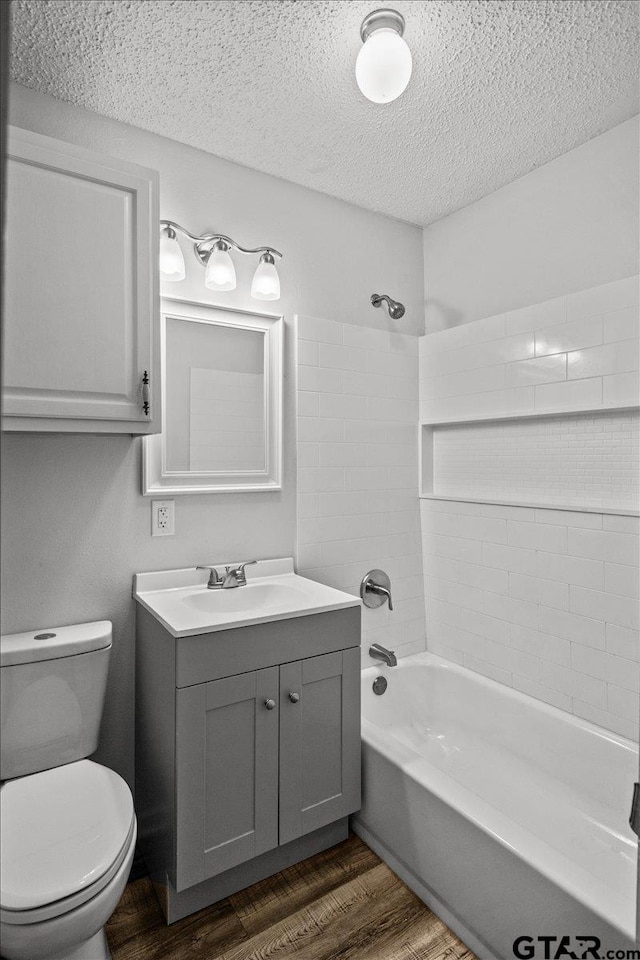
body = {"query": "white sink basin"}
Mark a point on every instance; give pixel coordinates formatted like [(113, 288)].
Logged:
[(181, 601), (252, 597)]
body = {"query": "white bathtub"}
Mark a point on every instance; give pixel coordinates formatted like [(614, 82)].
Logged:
[(507, 816)]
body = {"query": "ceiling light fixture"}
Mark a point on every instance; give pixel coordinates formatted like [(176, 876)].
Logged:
[(212, 251), (383, 67)]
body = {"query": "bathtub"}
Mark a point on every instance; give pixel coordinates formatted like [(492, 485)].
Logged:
[(508, 817)]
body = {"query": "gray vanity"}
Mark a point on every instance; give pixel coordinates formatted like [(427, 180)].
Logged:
[(247, 729)]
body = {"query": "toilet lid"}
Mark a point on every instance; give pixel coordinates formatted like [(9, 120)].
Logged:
[(60, 831)]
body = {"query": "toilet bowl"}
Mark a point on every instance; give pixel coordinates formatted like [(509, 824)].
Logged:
[(67, 824), (68, 839)]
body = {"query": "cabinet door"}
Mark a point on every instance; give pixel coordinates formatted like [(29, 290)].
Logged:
[(319, 741), (226, 774), (81, 299)]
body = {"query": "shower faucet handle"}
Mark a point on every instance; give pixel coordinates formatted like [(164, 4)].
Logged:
[(375, 589)]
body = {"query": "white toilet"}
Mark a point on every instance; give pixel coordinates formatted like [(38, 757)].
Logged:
[(68, 828)]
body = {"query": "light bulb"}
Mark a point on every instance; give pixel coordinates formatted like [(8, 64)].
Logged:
[(220, 273), (266, 282), (383, 66), (171, 258)]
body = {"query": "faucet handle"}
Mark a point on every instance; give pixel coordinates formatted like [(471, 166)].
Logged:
[(239, 570), (214, 579)]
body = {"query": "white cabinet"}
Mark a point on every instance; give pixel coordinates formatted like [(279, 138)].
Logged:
[(81, 301)]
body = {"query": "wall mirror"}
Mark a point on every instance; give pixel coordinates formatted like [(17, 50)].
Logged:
[(221, 402)]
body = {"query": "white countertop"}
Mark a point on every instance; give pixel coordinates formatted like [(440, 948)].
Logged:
[(181, 601)]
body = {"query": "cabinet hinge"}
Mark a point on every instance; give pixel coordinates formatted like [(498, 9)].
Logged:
[(146, 393), (634, 816)]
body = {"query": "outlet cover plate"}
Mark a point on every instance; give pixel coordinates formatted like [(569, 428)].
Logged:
[(163, 518)]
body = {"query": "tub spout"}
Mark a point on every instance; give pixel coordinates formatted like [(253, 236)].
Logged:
[(381, 653)]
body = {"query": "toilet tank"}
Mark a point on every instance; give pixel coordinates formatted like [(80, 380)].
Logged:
[(52, 686)]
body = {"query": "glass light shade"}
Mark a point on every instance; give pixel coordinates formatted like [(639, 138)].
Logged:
[(171, 258), (266, 282), (220, 273), (383, 67)]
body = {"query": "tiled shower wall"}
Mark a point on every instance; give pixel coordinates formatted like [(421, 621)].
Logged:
[(358, 507), (544, 600)]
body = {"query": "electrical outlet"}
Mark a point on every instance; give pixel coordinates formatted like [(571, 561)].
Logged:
[(163, 518)]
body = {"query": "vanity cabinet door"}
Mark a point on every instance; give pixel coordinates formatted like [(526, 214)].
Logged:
[(319, 741), (226, 773), (81, 332)]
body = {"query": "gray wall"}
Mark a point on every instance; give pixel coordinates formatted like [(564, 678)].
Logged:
[(75, 527), (569, 225)]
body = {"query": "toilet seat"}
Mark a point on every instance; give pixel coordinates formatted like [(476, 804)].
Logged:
[(65, 833)]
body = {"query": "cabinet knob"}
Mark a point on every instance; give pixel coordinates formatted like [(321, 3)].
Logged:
[(269, 704), (294, 697)]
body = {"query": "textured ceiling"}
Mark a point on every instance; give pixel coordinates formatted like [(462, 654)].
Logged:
[(498, 88)]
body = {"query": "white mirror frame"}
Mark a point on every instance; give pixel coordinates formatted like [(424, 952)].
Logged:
[(156, 479)]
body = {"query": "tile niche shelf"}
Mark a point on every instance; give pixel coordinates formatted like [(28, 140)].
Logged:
[(556, 460)]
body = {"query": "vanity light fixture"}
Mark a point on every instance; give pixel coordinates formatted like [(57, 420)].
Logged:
[(212, 251), (383, 67)]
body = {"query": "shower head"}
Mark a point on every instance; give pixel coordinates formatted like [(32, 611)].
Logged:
[(395, 308)]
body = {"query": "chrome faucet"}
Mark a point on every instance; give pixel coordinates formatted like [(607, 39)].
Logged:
[(233, 576), (381, 653)]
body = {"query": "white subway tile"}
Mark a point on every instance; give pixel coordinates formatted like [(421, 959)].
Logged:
[(610, 358), (551, 593), (469, 597), (621, 388), (514, 610), (444, 650), (586, 688), (623, 611), (537, 536), (320, 380), (548, 313), (320, 479), (316, 328), (542, 645), (465, 334), (487, 669), (366, 478), (343, 454), (622, 642), (523, 664), (341, 504), (570, 518), (316, 429), (603, 299), (621, 524), (308, 455), (624, 703), (621, 325), (569, 395), (538, 370), (307, 404), (469, 381), (365, 338), (509, 558), (338, 405), (486, 354), (571, 626), (604, 545), (585, 573), (605, 666), (308, 353), (569, 336), (454, 548), (340, 357), (622, 580), (540, 692)]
